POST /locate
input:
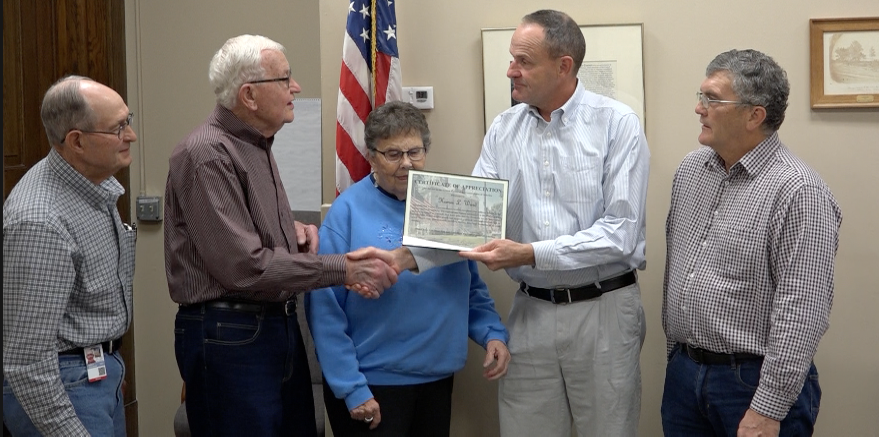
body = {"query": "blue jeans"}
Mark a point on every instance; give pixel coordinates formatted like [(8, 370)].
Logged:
[(98, 405), (246, 373), (706, 400)]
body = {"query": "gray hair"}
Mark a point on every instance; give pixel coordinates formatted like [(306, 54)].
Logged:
[(236, 63), (562, 35), (757, 80), (65, 108), (393, 119)]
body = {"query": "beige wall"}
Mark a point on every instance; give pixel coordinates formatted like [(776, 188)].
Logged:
[(440, 46), (170, 44)]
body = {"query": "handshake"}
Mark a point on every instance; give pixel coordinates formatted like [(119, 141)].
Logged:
[(377, 269), (370, 271)]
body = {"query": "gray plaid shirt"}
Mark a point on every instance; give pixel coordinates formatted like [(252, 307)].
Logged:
[(68, 265), (750, 263)]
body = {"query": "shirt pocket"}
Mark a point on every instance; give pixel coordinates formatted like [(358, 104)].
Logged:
[(741, 252), (579, 183), (126, 253)]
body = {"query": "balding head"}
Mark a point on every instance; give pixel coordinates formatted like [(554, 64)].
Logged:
[(88, 123), (64, 108)]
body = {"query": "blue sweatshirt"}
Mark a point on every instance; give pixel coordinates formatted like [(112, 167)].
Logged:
[(417, 331)]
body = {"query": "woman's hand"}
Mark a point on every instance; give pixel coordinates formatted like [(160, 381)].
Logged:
[(495, 352), (368, 412)]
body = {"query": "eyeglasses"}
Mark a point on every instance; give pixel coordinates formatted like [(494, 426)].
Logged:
[(705, 101), (394, 155), (117, 131), (286, 80)]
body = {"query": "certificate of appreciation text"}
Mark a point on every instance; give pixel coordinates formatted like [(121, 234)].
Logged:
[(454, 212)]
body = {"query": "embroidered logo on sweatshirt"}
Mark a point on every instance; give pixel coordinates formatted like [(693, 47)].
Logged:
[(391, 235)]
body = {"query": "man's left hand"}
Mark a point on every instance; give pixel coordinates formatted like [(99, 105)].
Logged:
[(306, 237), (755, 424), (501, 254)]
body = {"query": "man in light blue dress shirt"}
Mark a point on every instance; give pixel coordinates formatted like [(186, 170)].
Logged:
[(577, 164)]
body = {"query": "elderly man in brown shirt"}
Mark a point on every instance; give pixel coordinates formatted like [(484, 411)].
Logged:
[(235, 257)]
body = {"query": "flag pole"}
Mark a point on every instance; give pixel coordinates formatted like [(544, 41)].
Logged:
[(373, 54)]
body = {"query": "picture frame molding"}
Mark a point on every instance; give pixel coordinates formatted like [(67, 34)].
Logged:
[(819, 99)]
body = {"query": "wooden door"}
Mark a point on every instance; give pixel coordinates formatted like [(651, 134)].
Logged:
[(44, 40)]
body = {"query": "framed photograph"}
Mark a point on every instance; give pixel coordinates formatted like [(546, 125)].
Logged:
[(613, 66), (844, 62)]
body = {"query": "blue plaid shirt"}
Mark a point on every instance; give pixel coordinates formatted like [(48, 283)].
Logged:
[(68, 266)]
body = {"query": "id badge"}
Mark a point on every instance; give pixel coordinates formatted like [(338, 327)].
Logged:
[(94, 361)]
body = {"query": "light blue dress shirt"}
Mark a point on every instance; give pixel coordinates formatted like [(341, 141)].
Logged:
[(578, 188)]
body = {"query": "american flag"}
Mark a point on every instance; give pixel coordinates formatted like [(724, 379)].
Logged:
[(370, 77)]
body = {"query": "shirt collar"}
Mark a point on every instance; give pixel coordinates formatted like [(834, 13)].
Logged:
[(107, 192), (382, 190), (760, 157), (755, 160), (568, 110), (239, 129)]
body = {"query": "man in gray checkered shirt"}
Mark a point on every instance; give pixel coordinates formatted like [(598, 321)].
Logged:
[(68, 264), (752, 235)]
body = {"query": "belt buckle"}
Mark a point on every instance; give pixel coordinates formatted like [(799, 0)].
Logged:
[(289, 307), (567, 293)]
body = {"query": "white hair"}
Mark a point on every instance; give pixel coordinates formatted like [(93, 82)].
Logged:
[(236, 63)]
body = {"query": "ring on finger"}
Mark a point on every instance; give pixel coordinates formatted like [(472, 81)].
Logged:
[(369, 419)]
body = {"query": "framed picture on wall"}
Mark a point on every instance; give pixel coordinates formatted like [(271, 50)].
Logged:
[(613, 66), (844, 56)]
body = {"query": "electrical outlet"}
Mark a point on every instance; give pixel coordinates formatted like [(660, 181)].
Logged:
[(149, 208)]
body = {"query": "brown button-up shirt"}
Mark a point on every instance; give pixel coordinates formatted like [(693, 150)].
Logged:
[(229, 230)]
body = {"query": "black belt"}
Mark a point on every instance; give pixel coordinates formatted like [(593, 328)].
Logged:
[(287, 308), (702, 356), (108, 346), (570, 295)]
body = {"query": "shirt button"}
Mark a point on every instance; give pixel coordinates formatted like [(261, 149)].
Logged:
[(547, 194), (546, 163), (692, 275), (704, 242), (716, 212), (546, 223)]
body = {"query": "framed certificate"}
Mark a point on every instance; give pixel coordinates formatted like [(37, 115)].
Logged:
[(454, 212)]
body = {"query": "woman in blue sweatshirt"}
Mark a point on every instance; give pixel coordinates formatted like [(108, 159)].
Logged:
[(388, 363)]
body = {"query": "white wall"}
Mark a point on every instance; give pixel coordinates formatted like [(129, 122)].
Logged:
[(440, 46)]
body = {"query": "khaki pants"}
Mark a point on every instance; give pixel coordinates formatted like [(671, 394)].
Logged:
[(575, 363)]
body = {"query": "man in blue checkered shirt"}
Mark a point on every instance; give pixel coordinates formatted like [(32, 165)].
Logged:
[(752, 235), (68, 265)]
